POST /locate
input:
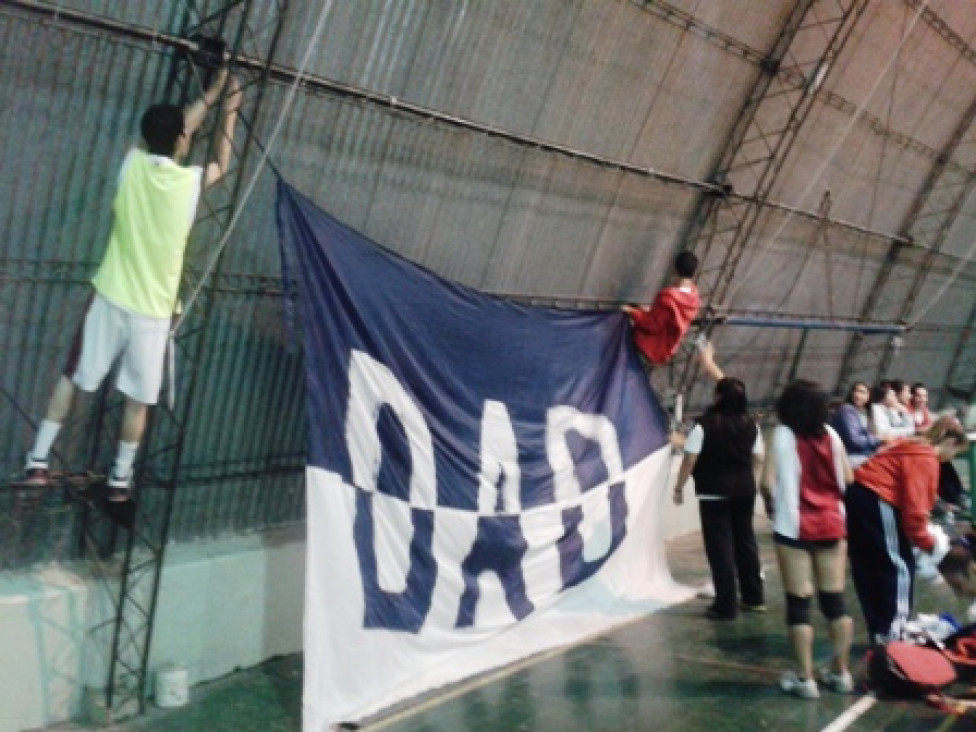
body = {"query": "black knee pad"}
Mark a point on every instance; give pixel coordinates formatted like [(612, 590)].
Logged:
[(797, 610), (832, 605)]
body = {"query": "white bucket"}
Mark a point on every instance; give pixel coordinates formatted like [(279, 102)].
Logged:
[(172, 689)]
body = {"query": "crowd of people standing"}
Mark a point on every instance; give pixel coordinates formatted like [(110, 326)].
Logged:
[(856, 483)]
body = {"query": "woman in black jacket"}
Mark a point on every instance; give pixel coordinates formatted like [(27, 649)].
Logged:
[(723, 453)]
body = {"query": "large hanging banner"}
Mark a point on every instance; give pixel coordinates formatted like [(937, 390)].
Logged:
[(484, 479)]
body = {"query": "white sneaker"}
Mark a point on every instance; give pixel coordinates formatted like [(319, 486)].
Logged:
[(118, 488), (36, 471), (803, 688), (838, 683), (115, 481)]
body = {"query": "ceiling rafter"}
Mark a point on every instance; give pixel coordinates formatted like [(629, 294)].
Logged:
[(960, 379), (699, 28), (939, 25), (761, 140), (927, 225), (85, 22)]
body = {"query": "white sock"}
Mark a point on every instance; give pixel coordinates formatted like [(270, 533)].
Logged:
[(47, 433), (124, 458)]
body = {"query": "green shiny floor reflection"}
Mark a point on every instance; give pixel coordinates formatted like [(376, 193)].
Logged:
[(673, 670)]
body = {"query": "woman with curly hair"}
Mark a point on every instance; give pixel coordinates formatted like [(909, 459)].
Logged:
[(806, 474)]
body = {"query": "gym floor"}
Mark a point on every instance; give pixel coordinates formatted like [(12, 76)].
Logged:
[(673, 670)]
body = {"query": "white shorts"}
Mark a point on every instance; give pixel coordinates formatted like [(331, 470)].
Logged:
[(109, 332)]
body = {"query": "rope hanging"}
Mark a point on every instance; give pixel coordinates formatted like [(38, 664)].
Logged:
[(266, 151)]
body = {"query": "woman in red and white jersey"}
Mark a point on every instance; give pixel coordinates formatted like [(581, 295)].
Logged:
[(807, 471)]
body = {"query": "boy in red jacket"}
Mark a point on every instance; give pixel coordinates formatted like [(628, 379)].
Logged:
[(658, 329)]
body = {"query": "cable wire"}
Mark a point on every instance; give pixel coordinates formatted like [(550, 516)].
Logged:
[(815, 180), (249, 189)]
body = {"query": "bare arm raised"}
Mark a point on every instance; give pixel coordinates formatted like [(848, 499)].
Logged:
[(194, 114), (225, 135), (706, 357)]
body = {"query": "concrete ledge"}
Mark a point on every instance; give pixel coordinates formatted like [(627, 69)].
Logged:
[(223, 605)]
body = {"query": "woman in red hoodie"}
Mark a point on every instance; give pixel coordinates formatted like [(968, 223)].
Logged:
[(888, 508)]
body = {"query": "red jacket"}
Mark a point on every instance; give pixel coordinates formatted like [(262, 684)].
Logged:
[(658, 330), (906, 475)]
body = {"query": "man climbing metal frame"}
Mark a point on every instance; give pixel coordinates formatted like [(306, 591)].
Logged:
[(136, 287)]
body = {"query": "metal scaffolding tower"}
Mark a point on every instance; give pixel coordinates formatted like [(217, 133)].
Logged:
[(791, 75), (127, 541)]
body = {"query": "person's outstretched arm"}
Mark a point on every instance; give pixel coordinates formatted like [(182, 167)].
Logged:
[(225, 135), (194, 114), (706, 357)]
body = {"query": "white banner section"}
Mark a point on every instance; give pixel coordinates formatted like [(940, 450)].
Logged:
[(353, 671)]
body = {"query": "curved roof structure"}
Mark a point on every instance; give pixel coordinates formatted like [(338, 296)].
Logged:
[(818, 155)]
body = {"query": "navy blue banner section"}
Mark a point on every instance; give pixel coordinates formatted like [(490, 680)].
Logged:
[(459, 374)]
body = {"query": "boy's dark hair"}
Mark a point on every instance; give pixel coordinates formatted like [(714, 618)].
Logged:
[(161, 127), (803, 408), (686, 264)]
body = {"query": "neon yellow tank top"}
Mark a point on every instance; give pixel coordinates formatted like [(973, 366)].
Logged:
[(154, 210)]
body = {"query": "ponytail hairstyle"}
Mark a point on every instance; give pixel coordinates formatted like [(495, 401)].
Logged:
[(729, 411)]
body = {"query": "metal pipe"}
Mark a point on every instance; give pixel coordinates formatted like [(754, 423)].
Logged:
[(812, 324), (312, 82)]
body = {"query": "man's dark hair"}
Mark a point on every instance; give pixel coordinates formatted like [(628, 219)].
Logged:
[(686, 264), (161, 127), (959, 559), (803, 408)]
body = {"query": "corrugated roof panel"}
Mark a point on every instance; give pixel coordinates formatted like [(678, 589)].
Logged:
[(756, 25), (605, 79)]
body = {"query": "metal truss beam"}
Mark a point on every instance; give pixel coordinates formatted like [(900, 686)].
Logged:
[(927, 224), (761, 140), (960, 380), (318, 84), (246, 28), (126, 542), (936, 23), (687, 22)]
